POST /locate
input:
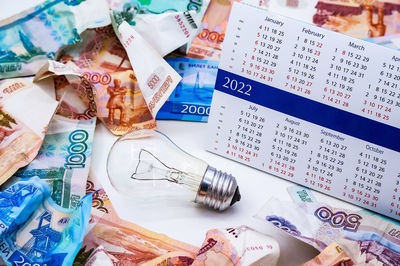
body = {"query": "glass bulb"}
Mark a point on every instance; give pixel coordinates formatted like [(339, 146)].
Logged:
[(147, 165)]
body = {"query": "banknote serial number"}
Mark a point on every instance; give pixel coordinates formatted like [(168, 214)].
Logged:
[(237, 86), (76, 150)]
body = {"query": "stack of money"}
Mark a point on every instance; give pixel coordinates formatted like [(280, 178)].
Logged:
[(84, 60), (63, 64)]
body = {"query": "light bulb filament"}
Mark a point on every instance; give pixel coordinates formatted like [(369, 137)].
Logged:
[(146, 168)]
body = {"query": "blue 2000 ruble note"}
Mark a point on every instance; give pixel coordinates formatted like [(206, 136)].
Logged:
[(191, 99), (35, 230)]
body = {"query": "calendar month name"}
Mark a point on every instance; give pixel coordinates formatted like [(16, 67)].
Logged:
[(274, 21), (314, 33)]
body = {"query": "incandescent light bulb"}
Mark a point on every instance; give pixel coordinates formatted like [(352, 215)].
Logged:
[(146, 165)]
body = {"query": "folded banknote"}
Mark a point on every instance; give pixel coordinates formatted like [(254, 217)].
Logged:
[(366, 239), (25, 112), (237, 246), (167, 25), (155, 77), (103, 62), (191, 99), (29, 39), (74, 92), (35, 230)]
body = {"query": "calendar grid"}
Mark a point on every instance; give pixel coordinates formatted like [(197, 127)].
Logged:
[(309, 105)]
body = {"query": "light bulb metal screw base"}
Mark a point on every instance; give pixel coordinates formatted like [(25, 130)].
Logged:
[(217, 190)]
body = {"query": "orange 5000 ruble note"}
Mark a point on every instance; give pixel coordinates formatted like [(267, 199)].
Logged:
[(113, 241), (25, 112), (103, 61)]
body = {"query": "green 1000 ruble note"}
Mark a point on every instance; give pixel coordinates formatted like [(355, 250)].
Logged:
[(64, 159)]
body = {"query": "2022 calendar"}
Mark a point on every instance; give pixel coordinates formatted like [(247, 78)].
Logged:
[(310, 105)]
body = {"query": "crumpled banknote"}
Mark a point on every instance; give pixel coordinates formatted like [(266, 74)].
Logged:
[(125, 243), (167, 25), (29, 39), (74, 92), (155, 77), (103, 62), (332, 255), (35, 230), (25, 112), (366, 239), (63, 160), (191, 99), (237, 246)]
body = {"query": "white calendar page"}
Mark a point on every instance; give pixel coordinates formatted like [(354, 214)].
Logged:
[(310, 105)]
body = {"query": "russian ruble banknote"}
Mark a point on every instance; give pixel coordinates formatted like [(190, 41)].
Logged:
[(35, 230), (74, 92), (166, 25), (366, 239), (155, 77), (332, 255), (63, 160), (25, 112), (29, 39), (125, 243), (360, 19), (103, 62), (240, 245), (191, 99)]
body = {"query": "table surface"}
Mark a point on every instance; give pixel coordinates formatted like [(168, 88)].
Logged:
[(191, 224)]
